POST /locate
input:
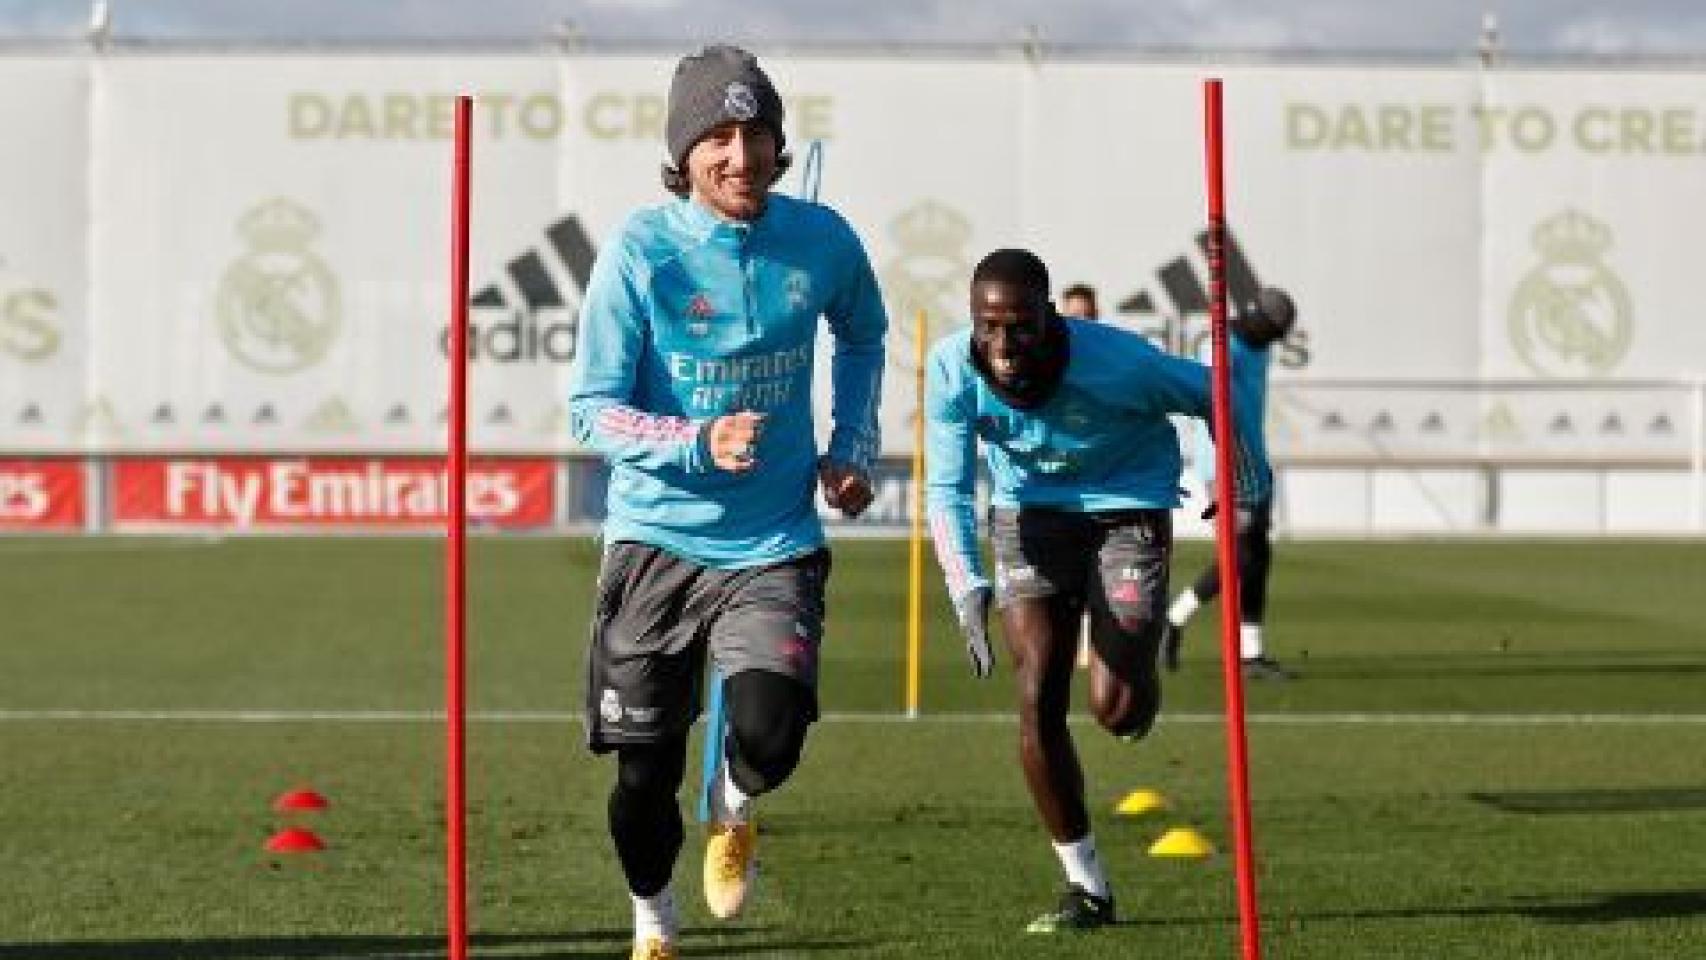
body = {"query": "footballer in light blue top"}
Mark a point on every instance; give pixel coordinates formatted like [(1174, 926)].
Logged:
[(1101, 441), (1073, 419), (1250, 383), (1260, 323), (689, 317)]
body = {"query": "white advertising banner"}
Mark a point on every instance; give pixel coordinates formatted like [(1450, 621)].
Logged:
[(272, 251), (1593, 192), (248, 253), (44, 236)]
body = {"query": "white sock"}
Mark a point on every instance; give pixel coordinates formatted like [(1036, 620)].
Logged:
[(1082, 866), (732, 802), (1250, 641), (654, 916), (1183, 606)]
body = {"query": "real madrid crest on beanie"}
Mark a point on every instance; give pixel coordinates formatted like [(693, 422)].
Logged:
[(716, 85)]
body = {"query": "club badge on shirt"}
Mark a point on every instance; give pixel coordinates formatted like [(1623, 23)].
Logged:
[(700, 312)]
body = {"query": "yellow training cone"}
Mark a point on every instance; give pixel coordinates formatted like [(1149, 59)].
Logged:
[(1140, 802), (1181, 842)]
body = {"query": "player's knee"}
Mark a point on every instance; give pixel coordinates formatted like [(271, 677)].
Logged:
[(1127, 708), (1127, 702), (1130, 718), (1258, 552), (650, 774), (1128, 639), (768, 718), (1028, 684), (1042, 705)]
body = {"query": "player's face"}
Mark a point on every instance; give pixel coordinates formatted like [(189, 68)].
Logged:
[(731, 168), (1008, 324), (1080, 307)]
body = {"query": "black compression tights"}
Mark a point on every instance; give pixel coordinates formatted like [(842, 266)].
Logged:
[(1255, 557), (767, 715), (645, 820)]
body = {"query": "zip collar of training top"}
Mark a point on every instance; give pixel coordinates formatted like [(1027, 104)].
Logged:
[(703, 224)]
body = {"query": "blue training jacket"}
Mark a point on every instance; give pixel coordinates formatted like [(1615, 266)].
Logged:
[(1103, 441), (688, 317), (1250, 379)]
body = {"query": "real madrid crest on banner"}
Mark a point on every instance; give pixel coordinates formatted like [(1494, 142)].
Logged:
[(1570, 315), (928, 274), (278, 305)]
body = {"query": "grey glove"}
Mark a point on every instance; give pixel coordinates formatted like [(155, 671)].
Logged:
[(973, 610)]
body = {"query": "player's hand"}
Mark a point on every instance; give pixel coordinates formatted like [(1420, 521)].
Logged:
[(844, 488), (973, 610), (734, 440)]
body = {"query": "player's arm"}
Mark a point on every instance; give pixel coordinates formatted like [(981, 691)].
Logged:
[(602, 413), (950, 458), (859, 324), (1179, 385)]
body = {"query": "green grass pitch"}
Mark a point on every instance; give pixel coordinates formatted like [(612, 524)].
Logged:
[(1496, 751)]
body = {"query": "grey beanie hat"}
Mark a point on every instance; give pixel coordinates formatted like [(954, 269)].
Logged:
[(718, 84), (1267, 318)]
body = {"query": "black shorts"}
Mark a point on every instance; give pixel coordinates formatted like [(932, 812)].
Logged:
[(1113, 560), (658, 615)]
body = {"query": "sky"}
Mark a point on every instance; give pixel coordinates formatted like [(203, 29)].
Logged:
[(1664, 29)]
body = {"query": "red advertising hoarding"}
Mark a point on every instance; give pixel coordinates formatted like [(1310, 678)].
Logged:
[(276, 493), (42, 495)]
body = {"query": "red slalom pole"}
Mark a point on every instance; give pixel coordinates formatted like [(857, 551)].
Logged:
[(1226, 530), (456, 559)]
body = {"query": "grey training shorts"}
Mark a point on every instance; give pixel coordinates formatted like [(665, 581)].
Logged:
[(657, 616), (1114, 561)]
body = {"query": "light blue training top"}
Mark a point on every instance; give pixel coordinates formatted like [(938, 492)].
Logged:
[(688, 317), (1103, 441), (1250, 378)]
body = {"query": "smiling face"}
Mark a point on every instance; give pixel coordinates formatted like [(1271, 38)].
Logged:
[(1009, 323), (731, 168)]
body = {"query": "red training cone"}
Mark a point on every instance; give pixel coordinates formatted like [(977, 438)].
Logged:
[(300, 800), (294, 840)]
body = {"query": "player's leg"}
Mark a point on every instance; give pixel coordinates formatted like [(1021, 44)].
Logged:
[(765, 640), (1191, 599), (769, 714), (1255, 560), (1041, 559), (641, 673), (1042, 639), (645, 824), (1127, 625)]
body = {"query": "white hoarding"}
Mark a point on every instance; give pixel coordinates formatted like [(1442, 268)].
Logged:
[(248, 252), (44, 236), (272, 249)]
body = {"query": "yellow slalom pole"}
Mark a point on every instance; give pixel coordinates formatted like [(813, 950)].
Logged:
[(915, 589)]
